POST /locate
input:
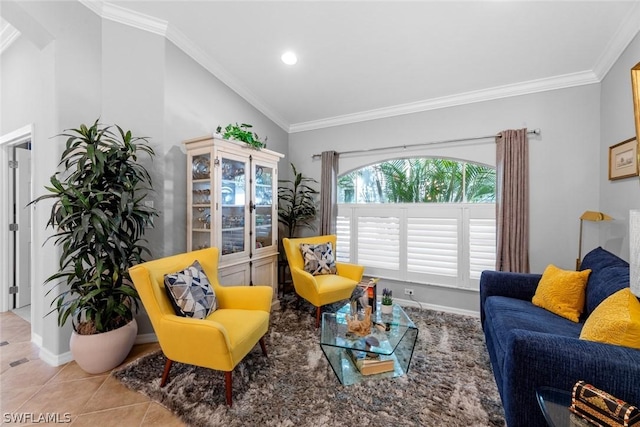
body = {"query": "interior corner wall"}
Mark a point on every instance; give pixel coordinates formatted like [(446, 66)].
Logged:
[(66, 91), (562, 159), (617, 125)]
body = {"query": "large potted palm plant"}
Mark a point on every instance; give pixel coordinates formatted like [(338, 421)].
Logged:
[(99, 217)]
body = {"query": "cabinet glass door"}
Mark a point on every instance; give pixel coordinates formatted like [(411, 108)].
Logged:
[(233, 203), (263, 202), (201, 201)]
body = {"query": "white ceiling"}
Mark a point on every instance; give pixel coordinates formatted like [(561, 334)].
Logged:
[(360, 60)]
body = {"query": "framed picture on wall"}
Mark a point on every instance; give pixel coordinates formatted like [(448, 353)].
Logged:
[(623, 159)]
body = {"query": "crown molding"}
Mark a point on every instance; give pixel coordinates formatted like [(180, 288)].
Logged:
[(161, 27), (507, 91), (621, 39), (126, 16), (8, 35), (619, 42)]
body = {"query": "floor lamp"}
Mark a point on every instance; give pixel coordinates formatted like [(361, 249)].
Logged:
[(589, 216), (634, 251)]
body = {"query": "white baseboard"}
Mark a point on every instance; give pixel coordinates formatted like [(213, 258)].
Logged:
[(453, 310), (145, 338), (54, 359)]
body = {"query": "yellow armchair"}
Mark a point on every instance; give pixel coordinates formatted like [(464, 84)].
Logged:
[(221, 340), (322, 289)]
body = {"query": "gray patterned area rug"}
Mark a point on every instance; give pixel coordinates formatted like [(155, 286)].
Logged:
[(449, 382)]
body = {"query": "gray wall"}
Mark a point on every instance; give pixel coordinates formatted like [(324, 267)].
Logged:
[(562, 159), (90, 68), (617, 124)]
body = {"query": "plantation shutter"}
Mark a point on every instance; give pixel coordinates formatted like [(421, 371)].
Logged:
[(482, 246), (379, 242)]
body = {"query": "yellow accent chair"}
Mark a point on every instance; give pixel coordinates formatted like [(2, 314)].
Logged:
[(322, 289), (217, 342)]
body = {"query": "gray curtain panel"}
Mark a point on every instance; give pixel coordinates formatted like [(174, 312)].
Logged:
[(328, 193), (512, 201)]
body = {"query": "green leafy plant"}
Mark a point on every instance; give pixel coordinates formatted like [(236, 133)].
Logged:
[(99, 217), (297, 202), (242, 133), (387, 298)]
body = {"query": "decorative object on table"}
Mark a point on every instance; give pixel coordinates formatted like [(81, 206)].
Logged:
[(359, 327), (387, 301), (242, 133), (370, 363), (358, 299), (369, 287), (634, 251), (589, 216), (601, 408), (100, 217), (623, 159)]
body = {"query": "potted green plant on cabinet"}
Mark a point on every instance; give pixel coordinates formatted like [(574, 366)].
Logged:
[(99, 217)]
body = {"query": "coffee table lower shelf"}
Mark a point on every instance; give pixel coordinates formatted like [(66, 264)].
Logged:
[(399, 343)]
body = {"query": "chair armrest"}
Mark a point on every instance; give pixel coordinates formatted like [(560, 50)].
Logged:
[(537, 359), (245, 297), (351, 271), (501, 283)]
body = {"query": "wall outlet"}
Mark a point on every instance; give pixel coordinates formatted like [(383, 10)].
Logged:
[(408, 291)]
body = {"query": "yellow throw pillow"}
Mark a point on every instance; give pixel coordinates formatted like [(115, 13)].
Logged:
[(615, 321), (562, 292)]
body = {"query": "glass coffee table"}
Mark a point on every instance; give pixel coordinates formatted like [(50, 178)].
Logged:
[(396, 342)]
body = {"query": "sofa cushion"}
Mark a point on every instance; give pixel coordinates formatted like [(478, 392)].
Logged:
[(507, 314), (599, 258), (562, 292), (615, 321), (604, 283)]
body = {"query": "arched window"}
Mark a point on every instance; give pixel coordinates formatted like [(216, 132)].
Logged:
[(421, 220), (419, 180)]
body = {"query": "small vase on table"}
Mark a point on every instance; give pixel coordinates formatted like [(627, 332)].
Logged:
[(387, 301)]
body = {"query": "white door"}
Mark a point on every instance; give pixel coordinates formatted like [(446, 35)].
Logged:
[(22, 193)]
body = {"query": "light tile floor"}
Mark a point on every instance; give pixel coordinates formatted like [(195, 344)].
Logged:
[(31, 389)]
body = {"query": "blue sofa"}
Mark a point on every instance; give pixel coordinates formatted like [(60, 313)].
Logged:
[(531, 347)]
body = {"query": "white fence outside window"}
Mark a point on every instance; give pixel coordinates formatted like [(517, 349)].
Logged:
[(439, 244)]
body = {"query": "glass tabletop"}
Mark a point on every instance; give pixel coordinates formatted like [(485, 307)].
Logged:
[(554, 404), (395, 336)]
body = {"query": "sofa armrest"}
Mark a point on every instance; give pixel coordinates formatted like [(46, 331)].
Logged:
[(501, 283), (537, 359)]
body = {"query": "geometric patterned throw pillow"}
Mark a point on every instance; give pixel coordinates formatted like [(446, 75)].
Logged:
[(190, 292), (318, 259)]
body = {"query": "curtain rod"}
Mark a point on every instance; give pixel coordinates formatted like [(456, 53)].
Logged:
[(315, 156)]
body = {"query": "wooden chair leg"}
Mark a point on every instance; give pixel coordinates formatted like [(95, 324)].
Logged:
[(263, 347), (165, 374), (227, 386), (318, 314)]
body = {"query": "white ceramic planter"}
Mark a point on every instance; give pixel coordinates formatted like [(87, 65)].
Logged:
[(386, 309), (102, 352)]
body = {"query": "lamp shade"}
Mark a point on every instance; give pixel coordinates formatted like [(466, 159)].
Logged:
[(595, 216), (634, 251)]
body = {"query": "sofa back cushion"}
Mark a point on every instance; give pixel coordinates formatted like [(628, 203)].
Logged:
[(604, 283), (609, 274), (600, 258)]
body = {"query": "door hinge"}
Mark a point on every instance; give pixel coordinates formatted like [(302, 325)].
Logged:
[(13, 227), (13, 164), (13, 290)]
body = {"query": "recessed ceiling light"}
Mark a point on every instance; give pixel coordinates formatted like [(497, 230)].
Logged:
[(289, 58)]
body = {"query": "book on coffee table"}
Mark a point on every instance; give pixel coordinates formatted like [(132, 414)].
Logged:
[(370, 363)]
